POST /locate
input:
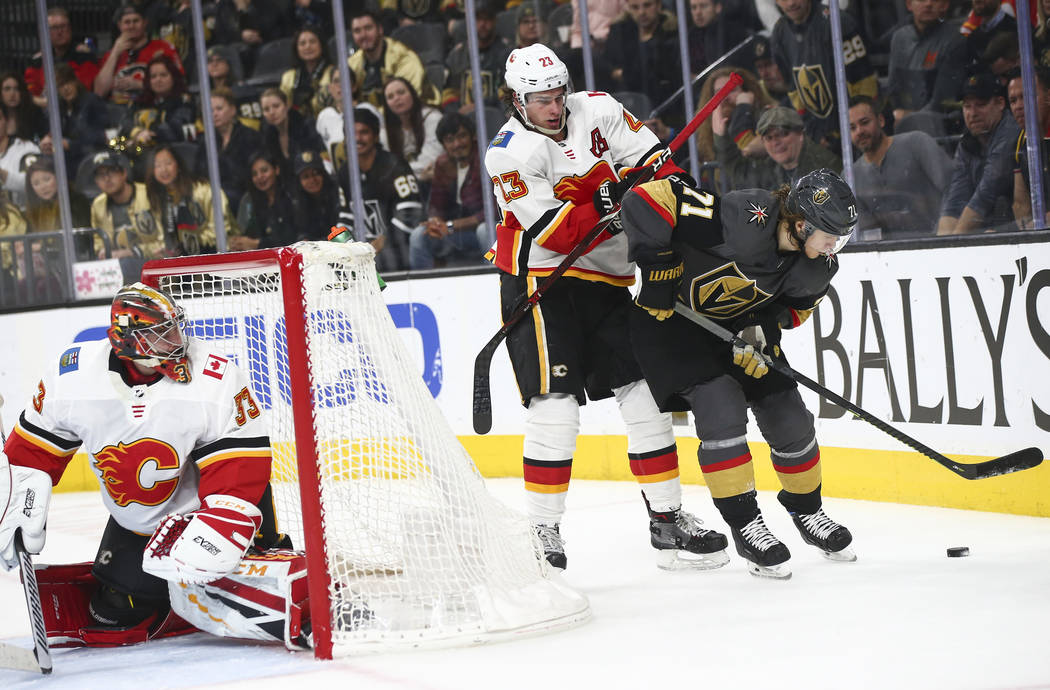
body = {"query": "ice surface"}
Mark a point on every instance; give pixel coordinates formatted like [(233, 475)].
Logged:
[(903, 616)]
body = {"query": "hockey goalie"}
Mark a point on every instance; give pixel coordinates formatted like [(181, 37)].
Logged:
[(183, 459)]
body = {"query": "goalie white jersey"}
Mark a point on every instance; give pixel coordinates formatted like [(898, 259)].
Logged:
[(544, 188), (154, 448)]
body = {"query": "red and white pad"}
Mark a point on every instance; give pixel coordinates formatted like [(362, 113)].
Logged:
[(204, 545)]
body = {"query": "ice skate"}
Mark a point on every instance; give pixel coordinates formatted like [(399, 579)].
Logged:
[(830, 537), (552, 542), (765, 554), (683, 543)]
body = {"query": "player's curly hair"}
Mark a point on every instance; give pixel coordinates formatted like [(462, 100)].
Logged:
[(781, 195)]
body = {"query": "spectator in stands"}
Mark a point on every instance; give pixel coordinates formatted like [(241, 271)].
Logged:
[(266, 215), (742, 107), (1022, 205), (237, 143), (980, 195), (802, 48), (1041, 39), (712, 33), (163, 112), (1002, 56), (768, 71), (306, 83), (454, 232), (411, 127), (791, 153), (11, 268), (988, 19), (532, 24), (285, 131), (83, 116), (330, 123), (390, 193), (319, 202), (224, 67), (12, 172), (642, 51), (123, 70), (600, 16), (379, 58), (921, 55), (182, 205), (25, 119), (899, 180), (313, 13), (77, 54), (42, 214), (493, 50), (122, 211)]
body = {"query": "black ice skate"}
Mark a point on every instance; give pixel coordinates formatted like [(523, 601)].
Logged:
[(683, 543), (553, 545), (766, 556), (830, 537)]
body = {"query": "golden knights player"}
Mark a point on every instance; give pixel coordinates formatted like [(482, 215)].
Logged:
[(757, 262)]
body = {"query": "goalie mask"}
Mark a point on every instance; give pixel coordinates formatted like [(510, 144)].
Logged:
[(827, 204), (146, 327), (532, 70)]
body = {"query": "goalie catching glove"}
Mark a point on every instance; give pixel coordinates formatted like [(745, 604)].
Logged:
[(751, 357), (204, 545), (24, 494), (661, 276)]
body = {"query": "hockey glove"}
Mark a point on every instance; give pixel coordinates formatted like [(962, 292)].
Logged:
[(752, 357), (606, 201), (661, 276), (204, 545), (25, 493)]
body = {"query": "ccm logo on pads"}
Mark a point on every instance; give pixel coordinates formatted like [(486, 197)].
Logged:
[(215, 366)]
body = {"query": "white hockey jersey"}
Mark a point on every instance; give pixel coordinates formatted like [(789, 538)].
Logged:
[(544, 188), (155, 448)]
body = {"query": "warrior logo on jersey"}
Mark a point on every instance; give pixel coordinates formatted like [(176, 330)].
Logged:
[(579, 189), (129, 471), (725, 292), (814, 91)]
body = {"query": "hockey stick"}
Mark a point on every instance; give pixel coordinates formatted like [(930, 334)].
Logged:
[(1014, 462), (703, 73), (39, 658), (482, 396)]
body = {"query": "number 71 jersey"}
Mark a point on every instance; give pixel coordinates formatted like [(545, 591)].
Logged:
[(154, 448)]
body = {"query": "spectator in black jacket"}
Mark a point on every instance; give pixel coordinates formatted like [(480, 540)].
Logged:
[(267, 213), (84, 119), (318, 199), (236, 143), (642, 51), (286, 132), (25, 119), (163, 112)]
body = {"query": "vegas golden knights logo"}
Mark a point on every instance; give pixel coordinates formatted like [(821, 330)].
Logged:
[(725, 292), (814, 90)]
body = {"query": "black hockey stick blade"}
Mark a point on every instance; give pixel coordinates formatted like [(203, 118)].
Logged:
[(1014, 462), (482, 394), (36, 611)]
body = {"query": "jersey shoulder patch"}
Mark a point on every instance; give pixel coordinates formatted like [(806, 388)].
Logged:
[(501, 140), (69, 361), (215, 366)]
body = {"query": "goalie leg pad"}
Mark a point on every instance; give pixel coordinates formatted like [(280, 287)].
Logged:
[(651, 446)]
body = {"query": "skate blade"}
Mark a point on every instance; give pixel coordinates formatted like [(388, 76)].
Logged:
[(773, 572), (677, 559), (846, 555)]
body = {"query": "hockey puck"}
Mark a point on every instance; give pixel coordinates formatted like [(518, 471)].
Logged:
[(958, 551)]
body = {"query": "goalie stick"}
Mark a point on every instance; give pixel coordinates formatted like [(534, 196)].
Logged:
[(38, 658), (1013, 462), (482, 363)]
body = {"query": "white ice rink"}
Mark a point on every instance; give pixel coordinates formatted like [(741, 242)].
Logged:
[(903, 616)]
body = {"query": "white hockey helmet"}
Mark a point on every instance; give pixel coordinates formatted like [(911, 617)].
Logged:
[(533, 69)]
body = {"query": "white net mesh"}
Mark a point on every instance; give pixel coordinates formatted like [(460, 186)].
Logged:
[(417, 550)]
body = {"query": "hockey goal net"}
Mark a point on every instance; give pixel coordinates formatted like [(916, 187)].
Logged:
[(405, 547)]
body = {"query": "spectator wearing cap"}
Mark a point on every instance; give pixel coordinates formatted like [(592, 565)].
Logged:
[(1022, 205), (390, 193), (922, 56), (123, 71), (980, 195), (532, 24), (83, 116), (12, 171), (768, 71), (899, 180), (642, 51), (379, 58), (79, 55), (493, 50), (454, 231), (318, 201), (790, 153), (712, 33), (122, 210)]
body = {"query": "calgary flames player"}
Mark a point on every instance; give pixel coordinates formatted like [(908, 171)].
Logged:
[(183, 458), (547, 165)]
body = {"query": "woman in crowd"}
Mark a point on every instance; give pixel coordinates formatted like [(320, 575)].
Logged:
[(266, 215), (182, 205), (330, 120), (163, 112), (306, 83), (84, 119), (12, 174), (285, 131), (224, 67), (742, 106), (25, 119), (12, 263), (42, 214), (318, 199), (411, 127), (237, 143)]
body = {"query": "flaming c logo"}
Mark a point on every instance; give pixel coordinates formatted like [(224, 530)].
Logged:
[(121, 467), (580, 188)]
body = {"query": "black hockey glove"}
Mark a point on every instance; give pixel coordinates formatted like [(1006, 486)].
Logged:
[(606, 200), (661, 276)]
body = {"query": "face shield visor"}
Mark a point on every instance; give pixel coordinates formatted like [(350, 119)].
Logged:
[(826, 243)]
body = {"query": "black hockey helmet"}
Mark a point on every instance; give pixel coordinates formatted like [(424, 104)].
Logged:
[(826, 203)]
